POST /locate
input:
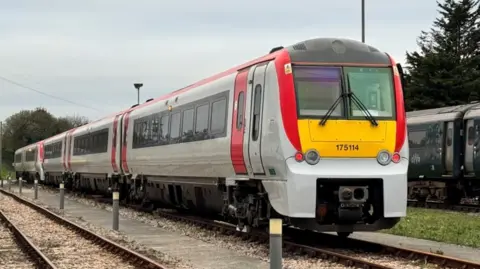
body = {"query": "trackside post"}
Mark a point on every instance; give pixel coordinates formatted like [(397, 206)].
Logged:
[(20, 185), (9, 183), (36, 189), (62, 195), (115, 209), (276, 243)]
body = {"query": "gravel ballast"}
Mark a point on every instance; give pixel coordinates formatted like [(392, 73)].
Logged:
[(65, 248), (11, 255)]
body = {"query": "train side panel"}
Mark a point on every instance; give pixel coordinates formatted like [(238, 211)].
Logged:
[(30, 162), (18, 162), (91, 150), (54, 153), (191, 140), (276, 147)]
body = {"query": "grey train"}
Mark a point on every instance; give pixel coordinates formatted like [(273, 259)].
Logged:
[(444, 162)]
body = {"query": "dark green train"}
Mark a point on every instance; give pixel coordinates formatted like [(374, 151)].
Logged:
[(444, 148)]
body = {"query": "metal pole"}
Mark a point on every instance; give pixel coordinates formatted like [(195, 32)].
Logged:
[(363, 21), (115, 209), (36, 189), (20, 185), (276, 244), (138, 96), (62, 195)]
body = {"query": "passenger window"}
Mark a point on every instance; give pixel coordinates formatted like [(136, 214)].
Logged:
[(175, 126), (217, 125), (449, 137), (155, 128), (471, 135), (240, 110), (187, 126), (257, 101), (201, 123), (164, 128)]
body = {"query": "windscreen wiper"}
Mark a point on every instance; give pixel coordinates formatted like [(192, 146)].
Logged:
[(363, 108), (332, 108)]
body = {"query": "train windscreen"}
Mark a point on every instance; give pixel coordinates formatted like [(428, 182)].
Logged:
[(319, 87)]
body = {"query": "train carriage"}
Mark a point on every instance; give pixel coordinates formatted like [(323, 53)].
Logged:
[(443, 148), (54, 164), (89, 157), (314, 133), (30, 165)]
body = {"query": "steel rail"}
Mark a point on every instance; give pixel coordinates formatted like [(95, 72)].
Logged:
[(128, 255), (36, 255)]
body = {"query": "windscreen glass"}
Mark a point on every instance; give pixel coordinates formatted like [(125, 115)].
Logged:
[(374, 88), (317, 88)]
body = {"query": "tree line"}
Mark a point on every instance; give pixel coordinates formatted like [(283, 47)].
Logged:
[(30, 126), (445, 70)]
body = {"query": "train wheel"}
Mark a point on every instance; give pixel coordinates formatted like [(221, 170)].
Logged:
[(344, 234)]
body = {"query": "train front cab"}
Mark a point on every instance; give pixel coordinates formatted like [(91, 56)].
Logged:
[(349, 172)]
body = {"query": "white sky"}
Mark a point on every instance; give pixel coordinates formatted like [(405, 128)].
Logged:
[(92, 51)]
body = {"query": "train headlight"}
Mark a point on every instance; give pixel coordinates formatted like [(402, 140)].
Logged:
[(384, 157), (312, 157)]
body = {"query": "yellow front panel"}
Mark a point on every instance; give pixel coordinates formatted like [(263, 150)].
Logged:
[(347, 138)]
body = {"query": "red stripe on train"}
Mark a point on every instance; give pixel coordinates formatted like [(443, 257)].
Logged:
[(124, 143), (114, 144)]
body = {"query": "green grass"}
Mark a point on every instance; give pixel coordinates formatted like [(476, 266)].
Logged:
[(442, 226), (4, 173)]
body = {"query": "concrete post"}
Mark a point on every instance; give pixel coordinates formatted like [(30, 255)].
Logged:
[(20, 185), (62, 195), (36, 188), (276, 244), (115, 209)]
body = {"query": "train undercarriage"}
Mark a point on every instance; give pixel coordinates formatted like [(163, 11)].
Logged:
[(446, 191), (243, 203)]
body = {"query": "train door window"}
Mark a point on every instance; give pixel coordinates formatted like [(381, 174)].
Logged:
[(155, 128), (135, 135), (175, 127), (187, 125), (240, 109), (201, 122), (449, 137), (257, 101), (164, 129), (217, 124), (471, 135)]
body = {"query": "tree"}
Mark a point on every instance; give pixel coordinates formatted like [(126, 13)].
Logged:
[(30, 126), (445, 71)]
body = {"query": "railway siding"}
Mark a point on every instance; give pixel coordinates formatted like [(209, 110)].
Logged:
[(51, 198), (183, 250)]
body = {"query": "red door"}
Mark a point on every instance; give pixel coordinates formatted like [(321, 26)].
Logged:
[(238, 123)]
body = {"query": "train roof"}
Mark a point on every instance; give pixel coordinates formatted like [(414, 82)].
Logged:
[(351, 51), (439, 114), (337, 50)]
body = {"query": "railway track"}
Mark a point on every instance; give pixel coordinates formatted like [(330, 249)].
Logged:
[(55, 242), (329, 247), (16, 250), (443, 206), (344, 251)]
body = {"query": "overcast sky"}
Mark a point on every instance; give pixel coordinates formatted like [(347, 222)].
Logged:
[(91, 52)]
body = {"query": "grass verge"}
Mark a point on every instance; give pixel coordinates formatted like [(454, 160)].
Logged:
[(441, 226), (4, 173)]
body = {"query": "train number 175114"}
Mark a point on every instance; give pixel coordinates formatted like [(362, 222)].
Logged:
[(347, 147)]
